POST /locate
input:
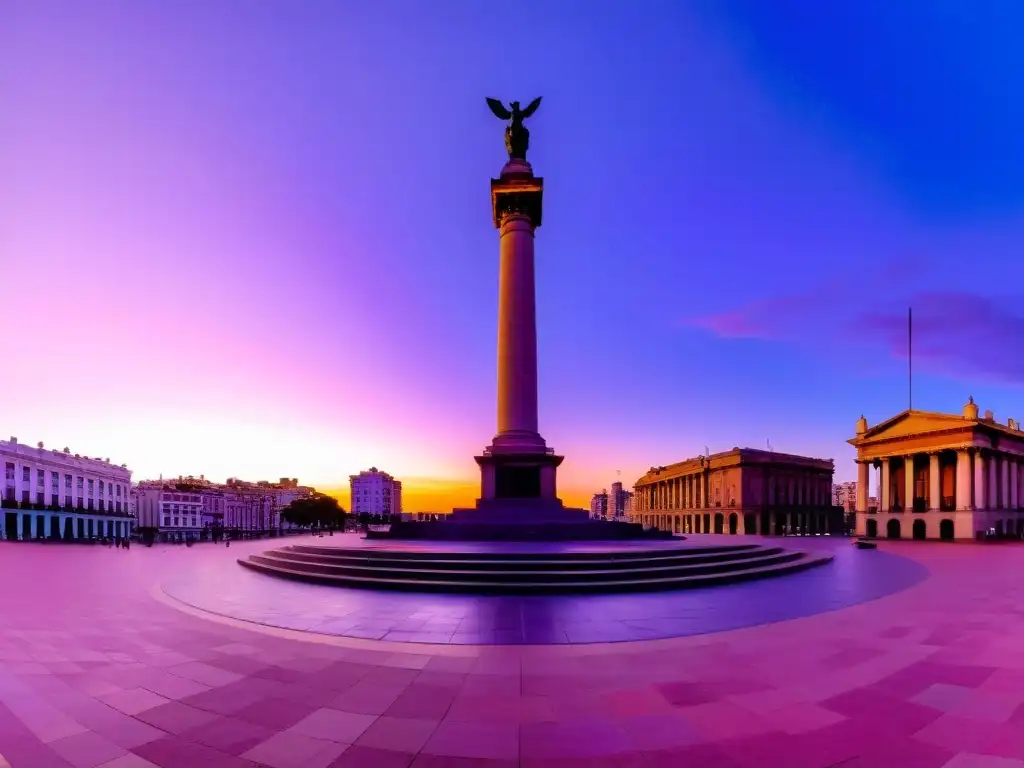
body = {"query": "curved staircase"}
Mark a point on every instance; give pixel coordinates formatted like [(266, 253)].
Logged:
[(685, 567)]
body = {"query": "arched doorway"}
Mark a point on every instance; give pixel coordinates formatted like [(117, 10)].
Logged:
[(719, 522), (765, 528), (892, 529), (734, 522), (999, 529), (750, 524), (707, 522), (920, 530), (946, 530), (872, 528)]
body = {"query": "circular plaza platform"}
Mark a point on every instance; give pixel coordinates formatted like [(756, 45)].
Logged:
[(848, 577), (534, 568)]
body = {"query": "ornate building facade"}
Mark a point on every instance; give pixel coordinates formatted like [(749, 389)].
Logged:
[(943, 476), (742, 491), (54, 494)]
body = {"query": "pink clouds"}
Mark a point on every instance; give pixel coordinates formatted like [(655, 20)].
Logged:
[(955, 332)]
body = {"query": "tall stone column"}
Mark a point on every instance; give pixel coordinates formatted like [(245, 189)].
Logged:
[(934, 483), (908, 483), (517, 331), (863, 471), (992, 491), (963, 479), (981, 482), (885, 501)]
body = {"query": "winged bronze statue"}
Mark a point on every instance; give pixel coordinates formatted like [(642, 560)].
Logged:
[(517, 137)]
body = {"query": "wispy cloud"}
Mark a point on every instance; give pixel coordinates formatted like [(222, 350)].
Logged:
[(956, 333)]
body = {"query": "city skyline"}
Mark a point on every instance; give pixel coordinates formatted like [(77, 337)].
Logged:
[(215, 225)]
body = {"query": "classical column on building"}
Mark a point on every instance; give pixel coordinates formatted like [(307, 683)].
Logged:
[(885, 501), (1004, 482), (934, 483), (981, 481), (1014, 471), (963, 479), (908, 483), (992, 491), (863, 471)]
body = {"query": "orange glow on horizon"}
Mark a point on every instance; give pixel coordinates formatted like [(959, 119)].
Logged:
[(427, 494)]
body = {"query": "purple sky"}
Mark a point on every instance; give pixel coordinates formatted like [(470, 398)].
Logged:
[(253, 238)]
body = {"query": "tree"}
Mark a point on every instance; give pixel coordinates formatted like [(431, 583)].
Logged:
[(320, 511)]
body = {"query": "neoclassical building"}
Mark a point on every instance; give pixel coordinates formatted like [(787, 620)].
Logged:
[(744, 490), (943, 476), (56, 494)]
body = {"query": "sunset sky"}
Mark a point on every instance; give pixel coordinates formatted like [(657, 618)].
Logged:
[(254, 239)]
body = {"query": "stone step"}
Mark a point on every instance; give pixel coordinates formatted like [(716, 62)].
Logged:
[(500, 571), (589, 586)]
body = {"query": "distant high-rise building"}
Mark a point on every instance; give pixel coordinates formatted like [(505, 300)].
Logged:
[(619, 501), (375, 493), (845, 495), (599, 506)]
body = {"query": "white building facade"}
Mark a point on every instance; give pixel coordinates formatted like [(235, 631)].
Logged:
[(59, 495), (375, 493), (175, 511)]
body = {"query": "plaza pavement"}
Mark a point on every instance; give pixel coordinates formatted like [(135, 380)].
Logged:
[(100, 668)]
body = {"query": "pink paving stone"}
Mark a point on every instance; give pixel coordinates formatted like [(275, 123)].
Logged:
[(133, 701), (372, 757), (399, 734), (87, 750), (367, 699), (175, 717), (274, 713), (294, 750), (881, 667), (422, 701), (228, 735), (474, 740), (334, 725)]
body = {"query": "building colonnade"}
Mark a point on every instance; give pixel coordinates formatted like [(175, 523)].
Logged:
[(945, 482), (26, 525)]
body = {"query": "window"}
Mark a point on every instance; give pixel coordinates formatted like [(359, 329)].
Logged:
[(193, 522), (167, 520), (92, 488), (40, 497), (176, 521), (26, 474), (101, 487), (80, 483), (119, 491), (67, 482), (40, 477), (55, 481), (10, 470), (67, 501)]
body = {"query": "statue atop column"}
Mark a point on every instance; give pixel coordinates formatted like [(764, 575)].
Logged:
[(517, 137)]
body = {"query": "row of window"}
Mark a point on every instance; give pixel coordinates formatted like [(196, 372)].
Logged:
[(69, 501), (111, 489), (176, 518)]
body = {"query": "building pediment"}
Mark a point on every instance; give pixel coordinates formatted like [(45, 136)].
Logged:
[(911, 423)]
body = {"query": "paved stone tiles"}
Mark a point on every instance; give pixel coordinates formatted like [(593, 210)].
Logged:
[(225, 588), (96, 671)]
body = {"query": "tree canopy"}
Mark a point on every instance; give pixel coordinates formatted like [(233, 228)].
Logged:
[(314, 511)]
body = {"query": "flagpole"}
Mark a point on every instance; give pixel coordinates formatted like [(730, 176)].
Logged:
[(910, 358)]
